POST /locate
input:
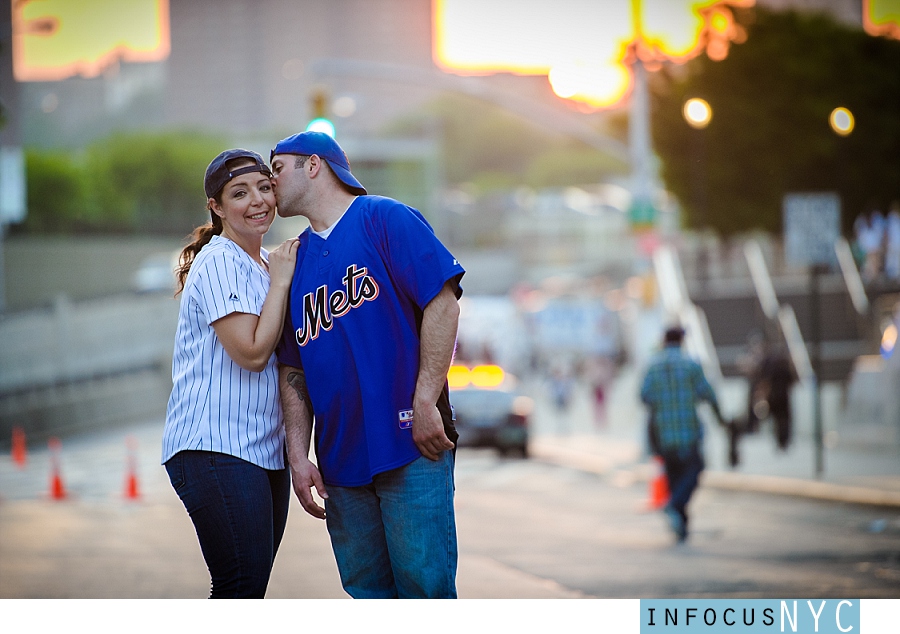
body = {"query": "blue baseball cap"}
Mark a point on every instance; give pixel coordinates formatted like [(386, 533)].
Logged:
[(323, 146), (218, 174)]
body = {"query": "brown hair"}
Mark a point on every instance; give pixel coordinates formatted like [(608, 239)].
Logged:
[(204, 233), (199, 238)]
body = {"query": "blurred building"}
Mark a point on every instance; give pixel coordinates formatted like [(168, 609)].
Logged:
[(245, 68), (846, 11), (250, 68)]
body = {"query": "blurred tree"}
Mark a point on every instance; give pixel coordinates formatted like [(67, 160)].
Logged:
[(151, 183), (492, 149), (769, 134), (126, 183), (55, 194)]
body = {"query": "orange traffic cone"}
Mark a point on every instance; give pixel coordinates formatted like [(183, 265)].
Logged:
[(132, 491), (19, 453), (57, 490), (659, 487)]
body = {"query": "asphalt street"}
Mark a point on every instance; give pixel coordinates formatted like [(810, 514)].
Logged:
[(527, 529)]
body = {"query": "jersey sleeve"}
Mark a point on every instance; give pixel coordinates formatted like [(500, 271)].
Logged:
[(223, 287), (418, 261)]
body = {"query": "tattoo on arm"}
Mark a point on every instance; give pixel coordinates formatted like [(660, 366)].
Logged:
[(297, 380)]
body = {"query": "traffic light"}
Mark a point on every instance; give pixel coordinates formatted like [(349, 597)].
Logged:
[(320, 121)]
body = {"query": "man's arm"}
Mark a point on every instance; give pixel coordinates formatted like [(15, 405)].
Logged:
[(440, 321), (298, 431), (706, 393)]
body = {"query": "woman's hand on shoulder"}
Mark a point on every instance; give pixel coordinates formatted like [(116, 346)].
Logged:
[(282, 261)]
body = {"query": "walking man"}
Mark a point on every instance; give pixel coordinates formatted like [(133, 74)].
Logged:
[(368, 339), (672, 387)]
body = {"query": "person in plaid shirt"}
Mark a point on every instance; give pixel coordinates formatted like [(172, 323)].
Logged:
[(672, 387)]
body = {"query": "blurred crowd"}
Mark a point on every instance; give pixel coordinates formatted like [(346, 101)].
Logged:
[(877, 244)]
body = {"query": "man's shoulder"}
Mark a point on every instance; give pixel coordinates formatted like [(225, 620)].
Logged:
[(670, 358), (387, 209)]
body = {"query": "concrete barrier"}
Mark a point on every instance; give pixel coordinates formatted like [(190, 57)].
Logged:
[(86, 364)]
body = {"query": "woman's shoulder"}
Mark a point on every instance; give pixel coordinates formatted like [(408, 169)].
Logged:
[(217, 253)]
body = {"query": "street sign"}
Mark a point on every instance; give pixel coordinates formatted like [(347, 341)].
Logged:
[(12, 185), (812, 224)]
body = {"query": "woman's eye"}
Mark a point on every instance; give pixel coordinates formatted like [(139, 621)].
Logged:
[(265, 188)]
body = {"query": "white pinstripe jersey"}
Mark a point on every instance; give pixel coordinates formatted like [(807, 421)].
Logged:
[(216, 405)]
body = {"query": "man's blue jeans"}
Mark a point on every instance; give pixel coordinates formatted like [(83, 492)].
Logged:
[(396, 537), (683, 468), (239, 511)]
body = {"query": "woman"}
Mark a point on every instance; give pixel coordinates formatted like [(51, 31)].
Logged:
[(223, 444)]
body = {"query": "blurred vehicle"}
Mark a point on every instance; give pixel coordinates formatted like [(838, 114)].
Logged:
[(490, 409), (156, 273)]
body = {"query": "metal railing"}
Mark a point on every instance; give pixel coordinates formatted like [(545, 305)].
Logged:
[(679, 307)]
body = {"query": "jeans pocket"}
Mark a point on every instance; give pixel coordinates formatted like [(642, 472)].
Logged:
[(175, 469)]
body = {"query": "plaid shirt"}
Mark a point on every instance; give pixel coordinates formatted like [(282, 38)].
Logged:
[(672, 387)]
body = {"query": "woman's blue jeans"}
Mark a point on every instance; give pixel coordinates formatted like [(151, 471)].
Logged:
[(239, 511), (396, 537)]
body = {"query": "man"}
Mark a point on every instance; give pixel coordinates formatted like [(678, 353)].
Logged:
[(368, 340), (777, 376), (672, 387)]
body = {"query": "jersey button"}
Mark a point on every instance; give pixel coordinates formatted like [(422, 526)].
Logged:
[(325, 253)]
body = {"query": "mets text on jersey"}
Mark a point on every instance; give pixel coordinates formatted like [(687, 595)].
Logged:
[(321, 309)]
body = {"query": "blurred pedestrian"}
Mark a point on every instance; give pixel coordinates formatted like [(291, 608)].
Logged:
[(562, 384), (892, 242), (750, 362), (870, 236), (599, 374), (673, 386), (223, 442), (373, 320), (777, 376)]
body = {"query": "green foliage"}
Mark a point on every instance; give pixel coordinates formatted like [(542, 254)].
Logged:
[(126, 183), (570, 164), (55, 193), (490, 148), (769, 134)]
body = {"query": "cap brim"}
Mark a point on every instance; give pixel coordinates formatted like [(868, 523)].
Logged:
[(347, 178)]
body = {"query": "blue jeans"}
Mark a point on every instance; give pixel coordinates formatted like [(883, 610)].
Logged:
[(396, 537), (683, 472), (239, 511)]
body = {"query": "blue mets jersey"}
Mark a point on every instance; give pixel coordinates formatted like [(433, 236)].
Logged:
[(356, 306)]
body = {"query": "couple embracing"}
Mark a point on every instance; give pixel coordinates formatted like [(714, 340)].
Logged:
[(346, 331)]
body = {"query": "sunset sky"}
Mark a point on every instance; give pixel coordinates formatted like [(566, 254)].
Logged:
[(56, 39), (580, 45)]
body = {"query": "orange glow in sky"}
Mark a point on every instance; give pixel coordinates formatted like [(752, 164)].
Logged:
[(882, 17), (581, 45), (56, 39)]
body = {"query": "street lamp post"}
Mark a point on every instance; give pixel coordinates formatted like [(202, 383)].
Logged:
[(698, 113), (842, 123)]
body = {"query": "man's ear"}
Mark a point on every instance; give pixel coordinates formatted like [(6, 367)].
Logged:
[(314, 164)]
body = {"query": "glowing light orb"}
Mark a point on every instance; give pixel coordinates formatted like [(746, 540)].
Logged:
[(697, 113), (321, 125), (841, 121)]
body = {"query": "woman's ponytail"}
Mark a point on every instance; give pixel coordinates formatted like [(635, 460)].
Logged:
[(199, 238)]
